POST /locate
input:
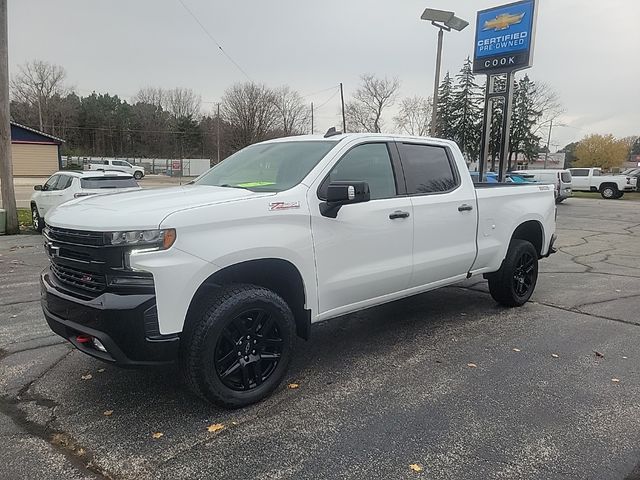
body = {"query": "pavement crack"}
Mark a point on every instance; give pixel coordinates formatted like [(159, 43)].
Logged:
[(22, 302), (588, 304), (580, 312)]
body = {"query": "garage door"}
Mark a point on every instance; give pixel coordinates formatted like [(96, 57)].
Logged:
[(31, 160)]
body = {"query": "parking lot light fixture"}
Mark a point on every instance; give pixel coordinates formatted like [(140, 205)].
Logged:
[(443, 20)]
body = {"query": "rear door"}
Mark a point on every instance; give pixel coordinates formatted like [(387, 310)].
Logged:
[(444, 213), (365, 252), (580, 178)]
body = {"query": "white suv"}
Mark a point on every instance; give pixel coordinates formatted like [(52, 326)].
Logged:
[(118, 165), (64, 186)]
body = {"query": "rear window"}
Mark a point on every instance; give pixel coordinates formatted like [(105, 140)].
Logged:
[(580, 172), (108, 182), (566, 177)]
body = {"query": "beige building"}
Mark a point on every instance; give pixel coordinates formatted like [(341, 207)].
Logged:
[(34, 153)]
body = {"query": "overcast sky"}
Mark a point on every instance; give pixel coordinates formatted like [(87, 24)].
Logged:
[(588, 51)]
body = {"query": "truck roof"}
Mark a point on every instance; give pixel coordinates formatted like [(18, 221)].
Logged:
[(93, 173), (356, 136)]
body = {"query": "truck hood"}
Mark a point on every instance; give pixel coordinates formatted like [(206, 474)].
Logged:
[(139, 209)]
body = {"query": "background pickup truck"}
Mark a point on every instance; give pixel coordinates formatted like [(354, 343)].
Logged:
[(116, 165), (609, 186), (220, 275)]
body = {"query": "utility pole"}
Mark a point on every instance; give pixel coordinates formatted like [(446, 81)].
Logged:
[(344, 120), (311, 118), (218, 132), (6, 166), (546, 154)]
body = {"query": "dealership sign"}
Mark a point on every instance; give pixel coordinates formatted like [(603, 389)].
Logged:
[(504, 38)]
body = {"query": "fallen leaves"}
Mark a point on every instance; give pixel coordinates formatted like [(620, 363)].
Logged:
[(293, 386), (598, 354), (555, 355), (216, 427), (416, 468), (88, 376), (615, 380), (472, 365), (100, 370), (516, 349), (157, 435), (108, 413)]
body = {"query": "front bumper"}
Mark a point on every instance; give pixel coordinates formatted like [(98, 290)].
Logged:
[(126, 325)]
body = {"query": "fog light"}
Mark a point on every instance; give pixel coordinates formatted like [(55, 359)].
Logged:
[(98, 345)]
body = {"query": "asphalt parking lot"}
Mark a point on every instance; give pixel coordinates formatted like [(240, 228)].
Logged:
[(446, 381)]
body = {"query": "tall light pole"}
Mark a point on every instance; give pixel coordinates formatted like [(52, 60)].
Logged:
[(443, 20)]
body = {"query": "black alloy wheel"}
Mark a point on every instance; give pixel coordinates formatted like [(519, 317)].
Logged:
[(248, 351), (524, 274), (514, 283), (237, 344)]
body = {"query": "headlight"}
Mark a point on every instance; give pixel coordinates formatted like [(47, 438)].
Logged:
[(155, 239)]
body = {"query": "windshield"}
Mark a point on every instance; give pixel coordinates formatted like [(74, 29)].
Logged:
[(94, 183), (270, 167)]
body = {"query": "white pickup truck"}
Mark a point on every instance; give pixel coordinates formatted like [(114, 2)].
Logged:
[(609, 186), (221, 274), (117, 165)]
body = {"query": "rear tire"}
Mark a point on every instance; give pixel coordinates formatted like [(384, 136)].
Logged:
[(514, 283), (237, 348), (36, 221), (138, 175), (609, 192)]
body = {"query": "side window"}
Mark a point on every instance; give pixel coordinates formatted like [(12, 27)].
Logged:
[(51, 183), (64, 182), (579, 172), (427, 168), (597, 173), (105, 162), (369, 163)]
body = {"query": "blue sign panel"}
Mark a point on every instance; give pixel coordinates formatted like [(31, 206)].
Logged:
[(504, 37)]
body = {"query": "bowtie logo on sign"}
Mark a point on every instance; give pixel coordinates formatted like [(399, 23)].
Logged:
[(503, 22)]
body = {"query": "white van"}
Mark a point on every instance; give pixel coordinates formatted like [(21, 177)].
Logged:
[(561, 180)]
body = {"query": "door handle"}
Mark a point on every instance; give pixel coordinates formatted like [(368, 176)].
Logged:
[(398, 214), (465, 208)]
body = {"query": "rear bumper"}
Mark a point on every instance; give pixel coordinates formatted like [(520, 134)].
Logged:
[(126, 325)]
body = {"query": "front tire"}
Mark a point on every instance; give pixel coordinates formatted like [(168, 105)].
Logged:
[(36, 221), (237, 350), (514, 283), (138, 175)]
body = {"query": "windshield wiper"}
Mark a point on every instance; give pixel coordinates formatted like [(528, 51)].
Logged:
[(226, 185)]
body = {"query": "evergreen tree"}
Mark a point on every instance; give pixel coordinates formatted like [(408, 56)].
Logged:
[(444, 112), (523, 121), (467, 112)]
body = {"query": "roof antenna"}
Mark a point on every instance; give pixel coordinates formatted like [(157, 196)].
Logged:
[(332, 132)]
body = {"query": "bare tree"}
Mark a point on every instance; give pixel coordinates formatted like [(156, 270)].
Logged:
[(414, 116), (250, 111), (36, 83), (364, 112), (183, 103), (152, 96), (293, 112), (547, 105)]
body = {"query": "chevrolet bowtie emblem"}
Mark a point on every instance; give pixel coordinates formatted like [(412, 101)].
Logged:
[(503, 21)]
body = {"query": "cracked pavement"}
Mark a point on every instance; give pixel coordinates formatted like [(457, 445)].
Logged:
[(379, 390)]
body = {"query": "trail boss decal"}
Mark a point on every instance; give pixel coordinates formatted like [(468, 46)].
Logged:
[(273, 206)]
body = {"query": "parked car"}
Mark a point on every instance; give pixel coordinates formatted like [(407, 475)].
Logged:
[(117, 165), (560, 179), (66, 185), (609, 186), (220, 275), (633, 172)]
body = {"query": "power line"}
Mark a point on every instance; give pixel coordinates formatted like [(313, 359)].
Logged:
[(319, 91), (204, 29), (328, 99)]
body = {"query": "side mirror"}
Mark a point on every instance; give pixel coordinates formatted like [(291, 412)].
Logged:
[(37, 187), (341, 193)]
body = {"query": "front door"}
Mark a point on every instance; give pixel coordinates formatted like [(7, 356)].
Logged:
[(365, 252)]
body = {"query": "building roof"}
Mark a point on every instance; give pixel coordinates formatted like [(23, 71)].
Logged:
[(34, 134)]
